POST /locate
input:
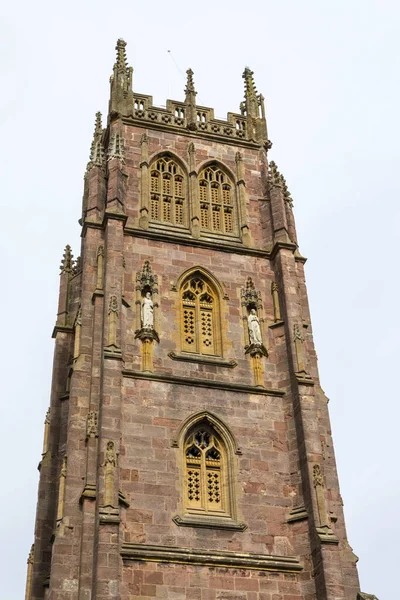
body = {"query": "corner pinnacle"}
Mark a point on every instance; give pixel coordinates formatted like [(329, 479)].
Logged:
[(189, 89), (96, 148), (121, 62), (67, 261)]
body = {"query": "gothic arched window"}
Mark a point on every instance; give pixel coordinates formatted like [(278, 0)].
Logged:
[(217, 201), (206, 473), (201, 329), (168, 192)]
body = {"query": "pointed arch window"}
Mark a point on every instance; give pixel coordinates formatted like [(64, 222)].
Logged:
[(168, 192), (206, 474), (217, 201), (201, 328)]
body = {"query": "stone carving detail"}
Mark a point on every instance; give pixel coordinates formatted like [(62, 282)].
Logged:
[(250, 296), (252, 316), (324, 531), (254, 328), (116, 148), (146, 305), (67, 262), (146, 278), (317, 476), (100, 263), (61, 489), (147, 312), (298, 339), (92, 426), (112, 320), (110, 462), (275, 300), (77, 338), (97, 154)]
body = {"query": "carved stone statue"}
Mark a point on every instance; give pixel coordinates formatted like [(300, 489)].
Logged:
[(253, 323), (147, 312)]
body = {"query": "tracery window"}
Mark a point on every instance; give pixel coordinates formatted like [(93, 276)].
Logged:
[(217, 201), (167, 192), (206, 476), (200, 317)]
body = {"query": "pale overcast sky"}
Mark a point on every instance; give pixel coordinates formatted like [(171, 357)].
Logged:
[(330, 74)]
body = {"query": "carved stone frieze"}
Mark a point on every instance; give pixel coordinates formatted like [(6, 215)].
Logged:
[(92, 425)]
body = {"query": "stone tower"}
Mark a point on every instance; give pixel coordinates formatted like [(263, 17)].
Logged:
[(187, 449)]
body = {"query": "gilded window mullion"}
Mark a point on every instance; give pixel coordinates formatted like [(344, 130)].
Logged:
[(203, 478)]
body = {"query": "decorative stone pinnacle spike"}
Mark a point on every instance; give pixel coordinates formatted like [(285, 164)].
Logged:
[(250, 87), (274, 176), (98, 126), (286, 193), (121, 62), (67, 260), (96, 149), (190, 83)]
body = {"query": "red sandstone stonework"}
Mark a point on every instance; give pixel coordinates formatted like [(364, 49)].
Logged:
[(288, 541)]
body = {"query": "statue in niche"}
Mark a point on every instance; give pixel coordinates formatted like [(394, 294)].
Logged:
[(147, 312), (253, 324)]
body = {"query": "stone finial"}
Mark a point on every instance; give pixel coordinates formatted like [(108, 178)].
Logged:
[(121, 100), (190, 89), (67, 261), (251, 99), (116, 147), (121, 63), (190, 100), (47, 418), (97, 154)]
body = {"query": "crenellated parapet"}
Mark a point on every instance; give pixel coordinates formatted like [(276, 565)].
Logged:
[(247, 127)]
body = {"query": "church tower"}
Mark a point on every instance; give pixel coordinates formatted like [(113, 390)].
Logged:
[(187, 448)]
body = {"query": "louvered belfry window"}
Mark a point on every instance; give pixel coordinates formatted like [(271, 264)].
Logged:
[(200, 317), (167, 192), (217, 201), (205, 472)]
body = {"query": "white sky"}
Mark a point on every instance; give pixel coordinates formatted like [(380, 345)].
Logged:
[(330, 75)]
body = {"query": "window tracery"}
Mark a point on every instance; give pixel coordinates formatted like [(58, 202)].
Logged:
[(217, 201), (200, 317), (206, 475), (167, 192)]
